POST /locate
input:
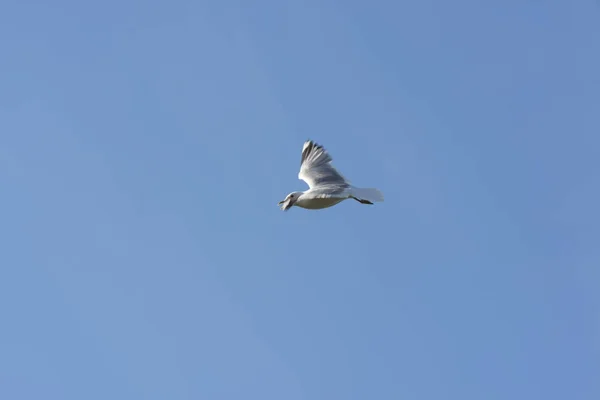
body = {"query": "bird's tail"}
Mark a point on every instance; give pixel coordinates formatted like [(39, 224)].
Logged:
[(367, 195)]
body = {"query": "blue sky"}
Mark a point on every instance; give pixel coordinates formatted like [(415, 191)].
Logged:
[(144, 147)]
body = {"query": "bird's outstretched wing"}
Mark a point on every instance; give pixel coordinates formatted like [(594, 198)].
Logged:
[(316, 169)]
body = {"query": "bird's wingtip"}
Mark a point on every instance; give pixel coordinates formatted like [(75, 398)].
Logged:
[(307, 143)]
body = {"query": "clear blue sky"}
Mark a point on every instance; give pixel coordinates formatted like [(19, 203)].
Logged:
[(144, 147)]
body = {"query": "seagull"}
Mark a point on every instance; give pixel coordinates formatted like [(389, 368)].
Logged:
[(327, 187)]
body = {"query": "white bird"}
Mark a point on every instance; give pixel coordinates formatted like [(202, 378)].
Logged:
[(327, 187)]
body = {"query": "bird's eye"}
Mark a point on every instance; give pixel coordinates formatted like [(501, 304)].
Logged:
[(291, 196)]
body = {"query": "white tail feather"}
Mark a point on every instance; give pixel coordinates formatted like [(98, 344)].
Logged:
[(371, 194)]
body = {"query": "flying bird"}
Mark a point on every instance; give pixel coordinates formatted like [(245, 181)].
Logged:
[(326, 186)]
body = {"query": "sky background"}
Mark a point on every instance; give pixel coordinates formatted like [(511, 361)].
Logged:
[(144, 146)]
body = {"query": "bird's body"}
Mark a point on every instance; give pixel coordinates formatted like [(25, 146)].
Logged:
[(327, 187), (311, 203)]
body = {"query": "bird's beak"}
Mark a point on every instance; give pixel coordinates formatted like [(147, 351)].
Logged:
[(284, 204)]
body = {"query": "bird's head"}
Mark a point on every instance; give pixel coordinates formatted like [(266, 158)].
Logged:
[(289, 201)]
